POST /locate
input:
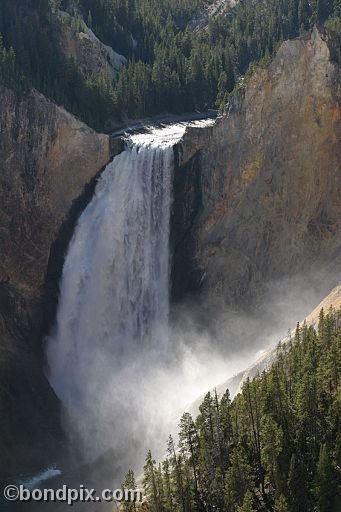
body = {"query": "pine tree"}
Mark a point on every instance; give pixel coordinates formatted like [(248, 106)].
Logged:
[(168, 491), (223, 95), (247, 505), (298, 485), (281, 504), (272, 445), (150, 484), (324, 485), (129, 484), (189, 444), (176, 465), (238, 480)]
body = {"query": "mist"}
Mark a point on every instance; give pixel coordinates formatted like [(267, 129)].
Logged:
[(123, 363), (130, 407)]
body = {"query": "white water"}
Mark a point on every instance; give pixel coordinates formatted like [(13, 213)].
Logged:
[(36, 480), (112, 318), (114, 289)]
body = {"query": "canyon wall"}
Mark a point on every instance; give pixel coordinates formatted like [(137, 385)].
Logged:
[(256, 198), (49, 162), (263, 185)]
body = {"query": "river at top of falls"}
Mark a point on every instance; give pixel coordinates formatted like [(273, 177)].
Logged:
[(112, 316)]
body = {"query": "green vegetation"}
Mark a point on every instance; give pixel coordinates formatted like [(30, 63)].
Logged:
[(31, 34), (334, 24), (276, 447), (7, 64), (170, 68), (173, 69)]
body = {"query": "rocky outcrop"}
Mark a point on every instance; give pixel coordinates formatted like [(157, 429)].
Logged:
[(268, 181), (212, 9), (80, 44), (49, 161)]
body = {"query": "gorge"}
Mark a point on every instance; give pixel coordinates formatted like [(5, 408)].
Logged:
[(255, 207)]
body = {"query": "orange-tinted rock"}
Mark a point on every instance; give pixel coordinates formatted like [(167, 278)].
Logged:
[(268, 179)]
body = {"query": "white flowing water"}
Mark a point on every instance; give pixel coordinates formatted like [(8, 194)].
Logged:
[(114, 290), (37, 480), (112, 318)]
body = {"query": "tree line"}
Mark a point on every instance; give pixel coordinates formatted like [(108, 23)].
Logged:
[(174, 69), (32, 57), (275, 447), (170, 67)]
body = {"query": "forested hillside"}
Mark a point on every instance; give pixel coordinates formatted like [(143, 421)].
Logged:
[(31, 56), (170, 68), (277, 446)]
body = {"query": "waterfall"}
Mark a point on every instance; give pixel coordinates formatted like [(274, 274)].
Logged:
[(114, 292), (112, 319)]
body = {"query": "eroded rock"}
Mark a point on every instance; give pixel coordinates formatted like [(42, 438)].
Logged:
[(268, 179)]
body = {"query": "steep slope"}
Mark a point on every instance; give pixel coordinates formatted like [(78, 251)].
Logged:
[(48, 161), (266, 359), (263, 185), (333, 299), (87, 51), (212, 9), (58, 55), (274, 447)]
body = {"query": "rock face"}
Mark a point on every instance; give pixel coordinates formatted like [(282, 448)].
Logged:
[(212, 9), (267, 183), (90, 54), (257, 197), (49, 161)]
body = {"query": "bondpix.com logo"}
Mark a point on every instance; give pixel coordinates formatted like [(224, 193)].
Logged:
[(20, 493)]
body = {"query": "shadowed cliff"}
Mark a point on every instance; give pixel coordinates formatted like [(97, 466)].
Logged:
[(49, 161)]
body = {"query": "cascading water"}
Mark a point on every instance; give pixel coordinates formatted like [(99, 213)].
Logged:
[(112, 318), (114, 289), (122, 372)]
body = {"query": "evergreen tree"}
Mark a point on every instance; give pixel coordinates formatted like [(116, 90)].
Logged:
[(129, 484), (247, 505), (325, 488), (238, 480), (298, 485), (272, 444), (151, 484), (189, 444), (286, 423), (281, 504)]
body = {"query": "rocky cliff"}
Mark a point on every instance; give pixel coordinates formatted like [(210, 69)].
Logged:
[(49, 161), (263, 185), (85, 49), (211, 9), (257, 197)]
